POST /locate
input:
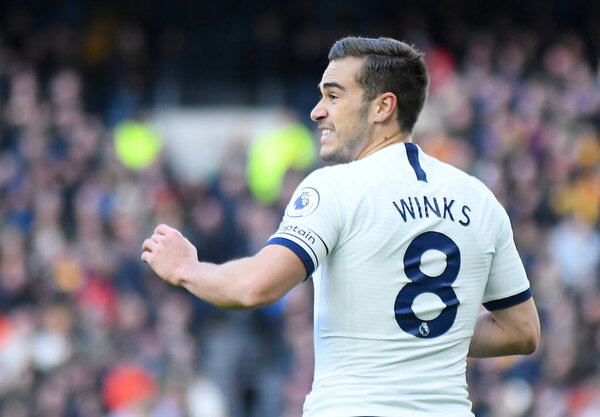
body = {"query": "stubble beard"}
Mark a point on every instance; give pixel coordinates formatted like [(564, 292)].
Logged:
[(350, 147)]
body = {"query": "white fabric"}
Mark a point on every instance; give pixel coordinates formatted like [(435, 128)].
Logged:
[(360, 218)]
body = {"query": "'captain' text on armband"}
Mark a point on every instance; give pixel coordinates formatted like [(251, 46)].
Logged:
[(413, 208), (298, 231)]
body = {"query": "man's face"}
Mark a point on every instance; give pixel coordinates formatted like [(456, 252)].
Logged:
[(341, 113)]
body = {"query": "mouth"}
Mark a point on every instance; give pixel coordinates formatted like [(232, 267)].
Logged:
[(325, 134)]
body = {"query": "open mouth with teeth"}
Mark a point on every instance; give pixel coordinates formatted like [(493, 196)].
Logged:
[(325, 133)]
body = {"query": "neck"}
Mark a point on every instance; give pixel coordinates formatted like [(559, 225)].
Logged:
[(381, 143)]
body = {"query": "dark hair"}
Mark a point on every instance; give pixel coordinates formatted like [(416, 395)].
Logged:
[(390, 66)]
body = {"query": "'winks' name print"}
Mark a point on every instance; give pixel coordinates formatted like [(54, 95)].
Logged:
[(413, 208)]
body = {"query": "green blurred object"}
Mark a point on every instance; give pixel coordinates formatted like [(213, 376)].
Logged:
[(136, 144), (272, 154)]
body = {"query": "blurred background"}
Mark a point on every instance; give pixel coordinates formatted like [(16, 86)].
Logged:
[(118, 115)]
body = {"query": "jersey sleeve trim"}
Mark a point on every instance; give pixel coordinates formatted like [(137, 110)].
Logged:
[(298, 250), (513, 300), (324, 244)]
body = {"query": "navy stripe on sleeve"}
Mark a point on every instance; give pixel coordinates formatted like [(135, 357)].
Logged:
[(508, 301), (298, 250), (413, 157), (289, 234)]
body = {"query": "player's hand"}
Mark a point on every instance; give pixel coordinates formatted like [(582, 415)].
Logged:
[(169, 254)]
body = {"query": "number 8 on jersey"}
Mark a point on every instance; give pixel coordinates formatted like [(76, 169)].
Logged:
[(422, 283)]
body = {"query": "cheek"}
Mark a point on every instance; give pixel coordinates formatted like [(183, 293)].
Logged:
[(350, 126), (346, 117), (343, 120)]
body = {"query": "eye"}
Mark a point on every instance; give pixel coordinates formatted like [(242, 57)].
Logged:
[(331, 96)]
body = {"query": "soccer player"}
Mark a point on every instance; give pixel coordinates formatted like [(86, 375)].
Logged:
[(402, 248)]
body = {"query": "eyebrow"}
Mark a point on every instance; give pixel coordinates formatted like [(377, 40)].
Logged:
[(331, 85)]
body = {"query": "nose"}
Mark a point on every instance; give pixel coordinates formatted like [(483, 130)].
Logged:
[(319, 112)]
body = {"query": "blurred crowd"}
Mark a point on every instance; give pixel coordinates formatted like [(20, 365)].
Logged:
[(530, 131), (86, 330)]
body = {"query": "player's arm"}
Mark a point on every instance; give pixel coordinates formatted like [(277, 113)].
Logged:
[(244, 283), (511, 325), (509, 331)]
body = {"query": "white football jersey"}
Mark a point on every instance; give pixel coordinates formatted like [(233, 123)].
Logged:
[(403, 250)]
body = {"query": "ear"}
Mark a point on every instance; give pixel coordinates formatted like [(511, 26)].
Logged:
[(385, 107)]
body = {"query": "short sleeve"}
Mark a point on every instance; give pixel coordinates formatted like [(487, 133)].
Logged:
[(311, 222), (507, 282)]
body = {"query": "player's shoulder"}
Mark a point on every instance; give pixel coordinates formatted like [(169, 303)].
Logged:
[(324, 187), (333, 185), (329, 176), (467, 182), (319, 182)]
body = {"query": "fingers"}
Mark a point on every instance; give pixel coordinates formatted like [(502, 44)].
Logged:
[(149, 245), (163, 236), (162, 229)]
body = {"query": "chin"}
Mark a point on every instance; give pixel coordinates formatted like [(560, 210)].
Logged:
[(334, 156), (327, 154)]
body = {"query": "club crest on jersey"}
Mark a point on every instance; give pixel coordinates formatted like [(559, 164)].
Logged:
[(304, 203), (424, 329)]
